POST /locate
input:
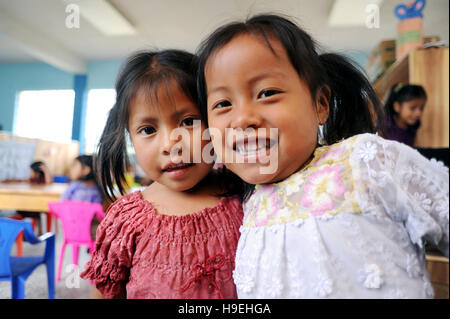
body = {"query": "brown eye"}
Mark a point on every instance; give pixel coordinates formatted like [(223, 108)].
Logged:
[(267, 93), (189, 121), (222, 104), (148, 130)]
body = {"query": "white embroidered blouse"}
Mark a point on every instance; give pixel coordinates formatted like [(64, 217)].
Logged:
[(351, 224)]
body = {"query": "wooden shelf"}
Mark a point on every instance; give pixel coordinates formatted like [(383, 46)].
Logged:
[(429, 68), (437, 267)]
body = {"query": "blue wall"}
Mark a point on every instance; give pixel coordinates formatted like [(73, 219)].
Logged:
[(27, 76), (102, 74), (41, 76)]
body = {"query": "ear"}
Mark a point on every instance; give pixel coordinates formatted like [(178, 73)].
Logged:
[(323, 104), (397, 107)]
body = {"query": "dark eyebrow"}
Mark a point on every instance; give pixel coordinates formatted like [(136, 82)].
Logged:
[(253, 80), (218, 88), (145, 119), (186, 109), (262, 76), (175, 115)]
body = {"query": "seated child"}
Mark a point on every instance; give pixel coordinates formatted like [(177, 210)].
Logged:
[(83, 185), (404, 108)]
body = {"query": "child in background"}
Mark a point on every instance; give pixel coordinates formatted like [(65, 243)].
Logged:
[(178, 237), (342, 220), (39, 175), (404, 108), (83, 185)]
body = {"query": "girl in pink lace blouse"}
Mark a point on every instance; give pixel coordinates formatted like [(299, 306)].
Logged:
[(178, 237)]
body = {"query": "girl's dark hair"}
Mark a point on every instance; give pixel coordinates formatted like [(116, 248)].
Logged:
[(354, 106), (403, 93), (86, 161), (146, 70), (36, 167)]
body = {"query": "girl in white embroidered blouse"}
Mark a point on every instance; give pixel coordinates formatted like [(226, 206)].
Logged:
[(342, 213)]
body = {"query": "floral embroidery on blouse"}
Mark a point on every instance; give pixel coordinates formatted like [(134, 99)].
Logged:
[(324, 188), (323, 185)]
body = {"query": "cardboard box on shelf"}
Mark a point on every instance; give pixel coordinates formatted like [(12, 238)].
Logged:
[(381, 57), (384, 55)]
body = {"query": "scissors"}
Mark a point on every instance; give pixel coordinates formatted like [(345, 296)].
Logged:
[(413, 10)]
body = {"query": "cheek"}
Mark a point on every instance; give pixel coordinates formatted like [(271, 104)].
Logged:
[(217, 130), (217, 121), (74, 171), (218, 146), (406, 113), (145, 154)]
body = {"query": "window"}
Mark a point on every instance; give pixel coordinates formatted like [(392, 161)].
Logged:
[(99, 102), (45, 114)]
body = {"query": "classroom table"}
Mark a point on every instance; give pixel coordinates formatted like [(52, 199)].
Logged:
[(23, 196)]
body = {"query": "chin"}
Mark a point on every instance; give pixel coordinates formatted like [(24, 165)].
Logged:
[(181, 187), (253, 175)]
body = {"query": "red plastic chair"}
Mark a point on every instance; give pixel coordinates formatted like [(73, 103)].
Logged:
[(76, 218)]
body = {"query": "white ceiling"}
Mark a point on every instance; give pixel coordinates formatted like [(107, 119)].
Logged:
[(184, 23)]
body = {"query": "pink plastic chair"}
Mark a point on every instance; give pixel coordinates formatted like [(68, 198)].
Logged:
[(76, 218)]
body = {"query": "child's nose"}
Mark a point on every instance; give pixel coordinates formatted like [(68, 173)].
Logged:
[(168, 142), (246, 115)]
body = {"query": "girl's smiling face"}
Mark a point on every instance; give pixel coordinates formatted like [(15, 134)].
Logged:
[(152, 119), (251, 87)]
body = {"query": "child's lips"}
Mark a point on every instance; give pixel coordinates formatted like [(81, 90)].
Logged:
[(177, 171), (174, 167)]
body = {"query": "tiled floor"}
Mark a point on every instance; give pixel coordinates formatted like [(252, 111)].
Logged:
[(71, 285)]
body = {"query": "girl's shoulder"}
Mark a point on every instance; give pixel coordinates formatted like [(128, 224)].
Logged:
[(377, 156), (351, 142), (366, 144), (130, 209), (129, 204)]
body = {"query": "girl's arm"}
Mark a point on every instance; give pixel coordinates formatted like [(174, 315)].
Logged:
[(110, 262), (411, 188)]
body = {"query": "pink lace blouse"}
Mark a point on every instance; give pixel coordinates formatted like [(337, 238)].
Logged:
[(142, 254)]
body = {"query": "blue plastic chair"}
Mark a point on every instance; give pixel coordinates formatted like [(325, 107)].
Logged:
[(17, 269)]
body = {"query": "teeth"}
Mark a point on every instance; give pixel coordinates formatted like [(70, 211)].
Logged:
[(250, 148)]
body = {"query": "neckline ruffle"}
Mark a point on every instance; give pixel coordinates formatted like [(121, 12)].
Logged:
[(205, 212)]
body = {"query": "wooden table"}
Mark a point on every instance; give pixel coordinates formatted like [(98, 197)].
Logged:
[(23, 196), (30, 198)]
